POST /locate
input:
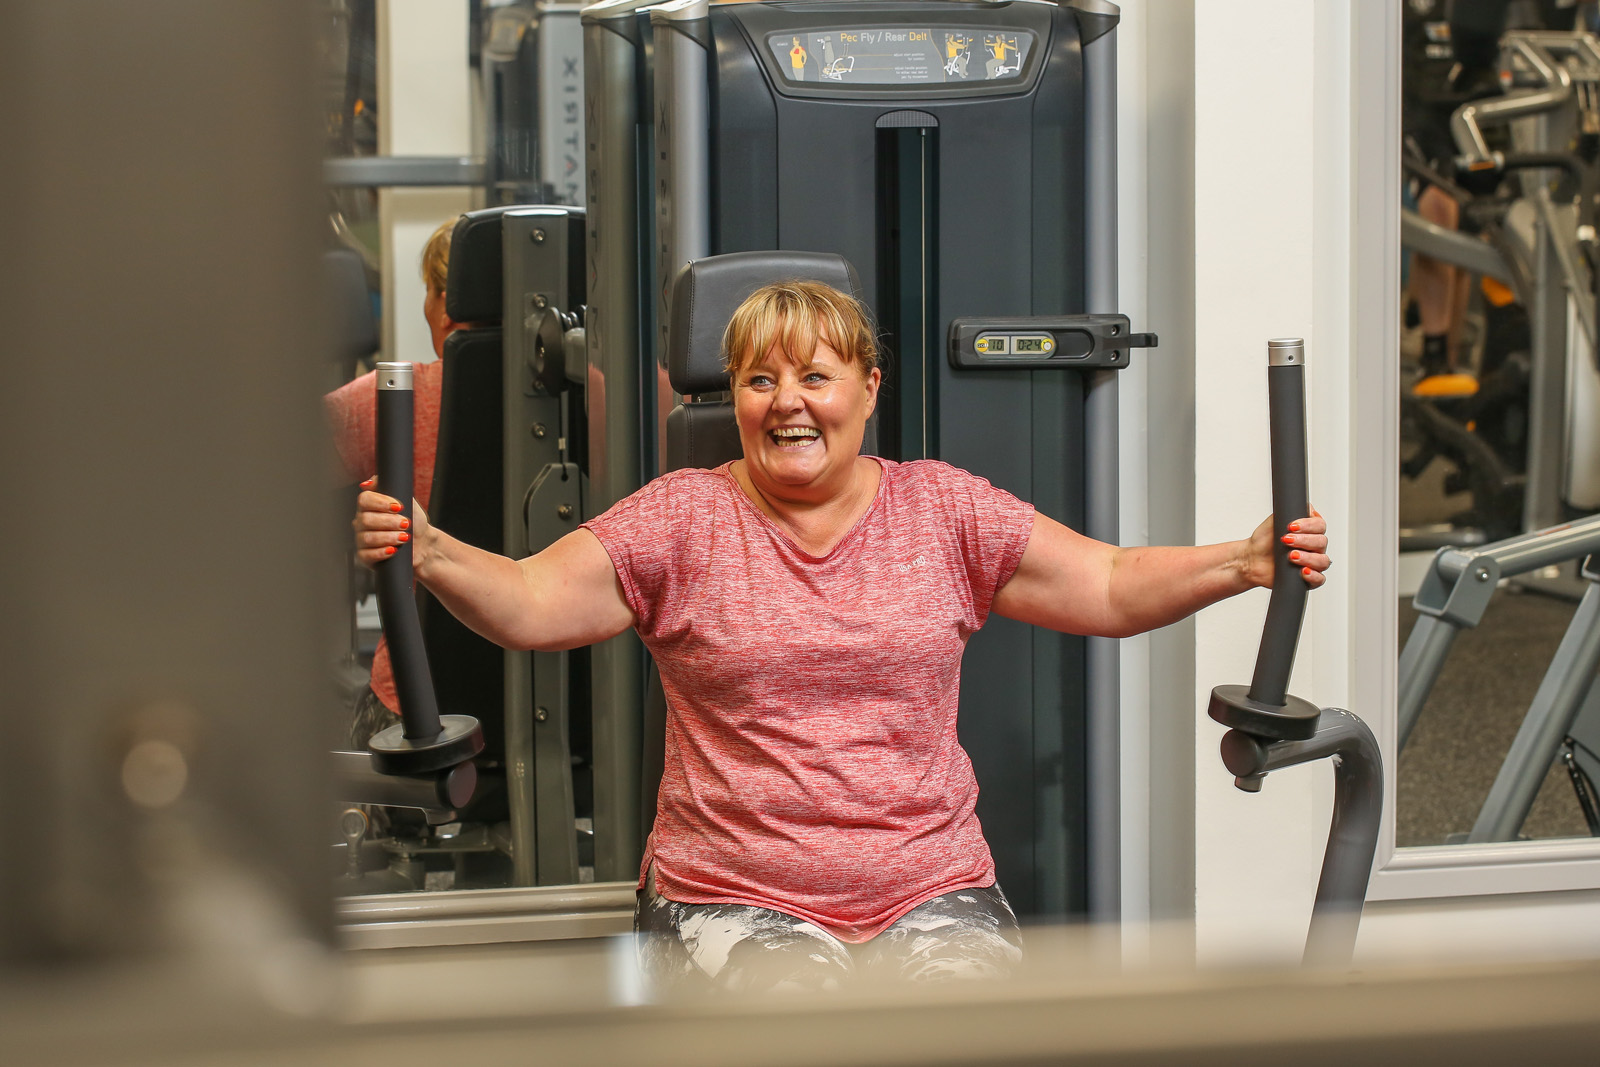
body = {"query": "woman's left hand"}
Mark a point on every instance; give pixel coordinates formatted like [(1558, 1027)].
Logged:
[(1308, 549)]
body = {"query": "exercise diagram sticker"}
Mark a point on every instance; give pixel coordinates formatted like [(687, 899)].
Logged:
[(900, 55)]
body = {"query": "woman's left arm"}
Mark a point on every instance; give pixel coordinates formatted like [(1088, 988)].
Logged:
[(1073, 583)]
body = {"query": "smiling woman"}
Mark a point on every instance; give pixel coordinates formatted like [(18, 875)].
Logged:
[(808, 608), (802, 406)]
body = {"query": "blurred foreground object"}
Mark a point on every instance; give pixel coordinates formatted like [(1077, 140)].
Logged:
[(573, 1002), (165, 620)]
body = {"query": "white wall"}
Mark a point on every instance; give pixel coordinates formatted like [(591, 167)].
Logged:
[(1513, 927), (1255, 259), (1246, 213), (424, 93)]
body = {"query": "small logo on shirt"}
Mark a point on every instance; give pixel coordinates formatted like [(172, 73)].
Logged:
[(908, 567)]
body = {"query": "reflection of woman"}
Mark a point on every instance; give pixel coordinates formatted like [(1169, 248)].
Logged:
[(350, 411), (808, 607)]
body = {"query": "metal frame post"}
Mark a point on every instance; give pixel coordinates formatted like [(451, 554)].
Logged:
[(1102, 470), (612, 60)]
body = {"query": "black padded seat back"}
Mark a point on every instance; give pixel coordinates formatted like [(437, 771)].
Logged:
[(468, 491), (352, 326), (706, 293), (702, 435), (466, 499), (474, 287)]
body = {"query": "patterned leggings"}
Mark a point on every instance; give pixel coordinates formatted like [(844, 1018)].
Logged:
[(368, 717), (968, 934)]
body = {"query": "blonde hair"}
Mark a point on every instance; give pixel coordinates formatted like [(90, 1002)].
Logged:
[(436, 257), (795, 316)]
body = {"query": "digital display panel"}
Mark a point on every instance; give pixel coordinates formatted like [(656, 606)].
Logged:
[(901, 55), (1030, 344)]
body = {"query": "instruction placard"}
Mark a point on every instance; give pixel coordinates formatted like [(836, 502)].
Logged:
[(901, 55)]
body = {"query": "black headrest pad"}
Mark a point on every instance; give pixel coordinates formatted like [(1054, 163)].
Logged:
[(707, 291), (473, 286), (350, 318)]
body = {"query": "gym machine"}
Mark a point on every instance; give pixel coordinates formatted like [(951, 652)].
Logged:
[(883, 133), (530, 64), (425, 761), (1542, 243), (971, 322), (1269, 729), (511, 483), (1453, 596)]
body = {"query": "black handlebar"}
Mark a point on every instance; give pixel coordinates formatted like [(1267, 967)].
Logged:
[(1287, 413), (1266, 710), (397, 605), (424, 742)]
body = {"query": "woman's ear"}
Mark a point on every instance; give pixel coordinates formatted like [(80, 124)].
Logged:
[(440, 324), (873, 380)]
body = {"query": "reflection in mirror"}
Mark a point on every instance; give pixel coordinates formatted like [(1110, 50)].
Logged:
[(522, 813), (1499, 729)]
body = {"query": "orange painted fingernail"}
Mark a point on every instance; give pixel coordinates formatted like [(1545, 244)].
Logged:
[(1293, 526), (1295, 556), (1306, 571), (405, 524), (396, 508), (1288, 540), (389, 551), (404, 538), (368, 483)]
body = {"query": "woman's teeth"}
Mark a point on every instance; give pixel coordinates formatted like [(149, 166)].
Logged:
[(795, 436)]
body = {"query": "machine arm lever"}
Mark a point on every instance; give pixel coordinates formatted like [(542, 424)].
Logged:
[(423, 742), (1266, 709), (1270, 728), (1286, 610)]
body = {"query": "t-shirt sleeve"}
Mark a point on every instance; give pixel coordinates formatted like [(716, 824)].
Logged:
[(642, 535), (991, 528), (351, 411)]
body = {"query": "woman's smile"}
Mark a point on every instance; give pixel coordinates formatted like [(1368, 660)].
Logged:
[(794, 438)]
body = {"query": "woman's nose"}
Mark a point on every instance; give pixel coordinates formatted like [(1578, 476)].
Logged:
[(787, 397)]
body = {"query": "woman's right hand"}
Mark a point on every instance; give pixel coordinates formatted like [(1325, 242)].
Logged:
[(380, 528)]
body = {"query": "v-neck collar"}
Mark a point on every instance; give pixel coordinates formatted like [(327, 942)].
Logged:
[(872, 505)]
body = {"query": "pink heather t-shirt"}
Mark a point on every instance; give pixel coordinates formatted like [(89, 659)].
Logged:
[(812, 764), (352, 413)]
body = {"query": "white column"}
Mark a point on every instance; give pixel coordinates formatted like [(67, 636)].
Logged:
[(424, 97), (1133, 450), (1271, 257)]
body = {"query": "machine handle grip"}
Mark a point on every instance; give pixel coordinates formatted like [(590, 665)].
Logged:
[(397, 605), (1287, 413)]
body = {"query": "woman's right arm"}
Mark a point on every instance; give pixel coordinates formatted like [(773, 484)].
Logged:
[(564, 597)]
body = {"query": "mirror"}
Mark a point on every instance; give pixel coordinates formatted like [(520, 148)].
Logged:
[(433, 111), (1499, 624)]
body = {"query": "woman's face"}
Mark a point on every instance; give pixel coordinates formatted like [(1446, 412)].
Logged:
[(801, 424)]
